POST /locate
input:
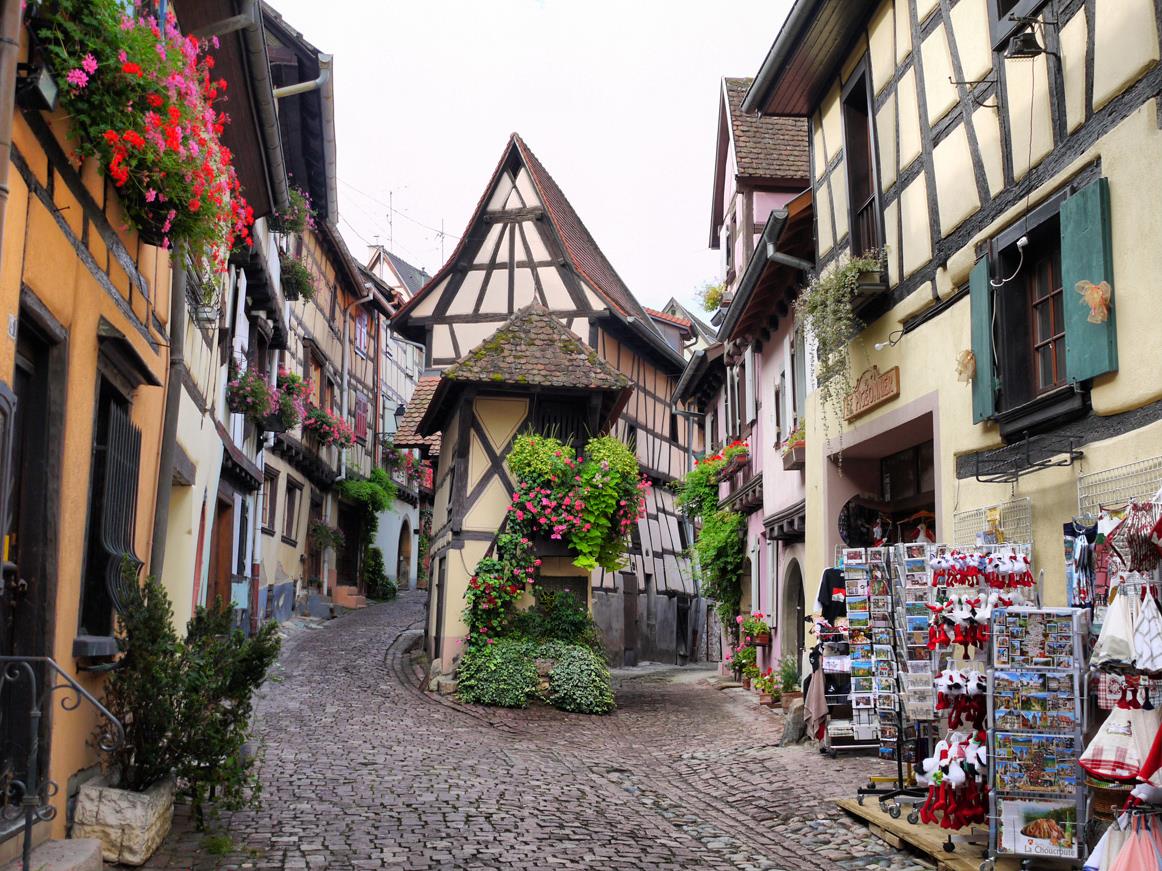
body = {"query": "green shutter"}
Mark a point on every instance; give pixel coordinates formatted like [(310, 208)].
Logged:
[(1087, 255), (984, 383)]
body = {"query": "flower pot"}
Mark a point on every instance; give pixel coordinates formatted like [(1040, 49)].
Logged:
[(129, 825), (273, 422), (291, 292), (763, 639), (789, 698), (745, 682), (766, 700), (795, 457)]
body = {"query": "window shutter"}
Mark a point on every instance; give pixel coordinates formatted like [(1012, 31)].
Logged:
[(360, 416), (1087, 256), (984, 382), (751, 383)]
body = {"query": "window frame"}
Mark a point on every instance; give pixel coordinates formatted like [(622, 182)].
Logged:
[(1001, 29), (290, 530), (862, 73), (362, 333), (270, 500)]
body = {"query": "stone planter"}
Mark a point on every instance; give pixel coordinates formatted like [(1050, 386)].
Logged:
[(789, 699), (745, 682), (129, 825), (795, 458)]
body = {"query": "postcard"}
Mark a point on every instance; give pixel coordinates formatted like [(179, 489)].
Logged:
[(1038, 828), (858, 619), (863, 684), (881, 636), (862, 668), (856, 603), (862, 700), (918, 624), (883, 651), (885, 684), (877, 554), (854, 556)]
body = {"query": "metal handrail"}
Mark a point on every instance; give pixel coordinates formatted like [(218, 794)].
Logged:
[(34, 796)]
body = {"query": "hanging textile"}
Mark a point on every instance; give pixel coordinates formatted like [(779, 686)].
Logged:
[(1115, 645)]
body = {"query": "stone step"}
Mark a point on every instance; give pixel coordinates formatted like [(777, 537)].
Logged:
[(75, 854)]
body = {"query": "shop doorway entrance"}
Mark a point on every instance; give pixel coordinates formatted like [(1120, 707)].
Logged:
[(792, 614), (886, 493)]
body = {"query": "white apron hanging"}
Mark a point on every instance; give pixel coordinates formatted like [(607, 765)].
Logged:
[(1115, 645)]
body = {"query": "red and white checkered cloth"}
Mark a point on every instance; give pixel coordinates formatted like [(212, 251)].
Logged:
[(1113, 753)]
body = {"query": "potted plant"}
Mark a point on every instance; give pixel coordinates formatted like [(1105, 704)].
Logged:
[(736, 454), (293, 390), (248, 392), (789, 681), (297, 280), (766, 684), (297, 216), (744, 661), (756, 630), (328, 428), (141, 100), (794, 449), (322, 535)]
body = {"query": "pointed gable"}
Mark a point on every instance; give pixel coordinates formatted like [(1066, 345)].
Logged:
[(524, 244)]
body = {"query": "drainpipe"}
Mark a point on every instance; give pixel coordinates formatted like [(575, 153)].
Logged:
[(343, 377), (173, 388), (9, 54)]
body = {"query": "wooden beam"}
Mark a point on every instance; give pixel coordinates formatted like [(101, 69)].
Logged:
[(513, 216)]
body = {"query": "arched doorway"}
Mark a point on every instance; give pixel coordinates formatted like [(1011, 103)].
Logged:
[(404, 556), (792, 611)]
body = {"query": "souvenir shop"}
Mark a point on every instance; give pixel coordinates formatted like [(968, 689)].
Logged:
[(1022, 735)]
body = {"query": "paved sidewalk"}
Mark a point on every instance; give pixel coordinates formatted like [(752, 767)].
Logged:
[(360, 769)]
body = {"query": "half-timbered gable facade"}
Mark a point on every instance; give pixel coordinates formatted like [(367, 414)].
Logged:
[(526, 244), (1003, 157)]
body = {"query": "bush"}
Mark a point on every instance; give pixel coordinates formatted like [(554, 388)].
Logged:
[(558, 616), (375, 579), (503, 674), (297, 281), (579, 682), (143, 691)]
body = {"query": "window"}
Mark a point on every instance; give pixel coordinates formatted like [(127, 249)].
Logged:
[(1002, 14), (270, 500), (362, 322), (361, 406), (727, 242), (259, 357), (1024, 312), (751, 381), (674, 427), (798, 375), (294, 496), (861, 181), (777, 412), (112, 507)]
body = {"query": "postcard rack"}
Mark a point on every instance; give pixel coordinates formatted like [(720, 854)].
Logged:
[(1037, 709)]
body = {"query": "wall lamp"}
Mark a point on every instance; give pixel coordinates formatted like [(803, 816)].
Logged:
[(894, 338)]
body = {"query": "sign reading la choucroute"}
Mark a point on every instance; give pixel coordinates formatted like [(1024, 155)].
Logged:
[(872, 390)]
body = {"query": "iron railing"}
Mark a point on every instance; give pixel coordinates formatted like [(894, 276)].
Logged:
[(28, 795)]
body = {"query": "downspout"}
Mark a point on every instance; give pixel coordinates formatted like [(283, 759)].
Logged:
[(9, 54), (343, 376), (169, 430)]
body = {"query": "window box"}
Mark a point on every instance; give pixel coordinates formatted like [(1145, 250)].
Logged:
[(795, 457), (273, 422)]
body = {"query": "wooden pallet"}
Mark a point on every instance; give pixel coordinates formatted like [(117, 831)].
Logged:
[(927, 840)]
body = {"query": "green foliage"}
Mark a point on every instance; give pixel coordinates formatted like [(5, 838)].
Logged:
[(322, 535), (826, 309), (502, 674), (721, 552), (375, 579), (536, 459), (248, 392), (143, 691), (710, 295), (220, 670), (579, 682), (297, 280), (789, 674), (373, 495), (755, 624), (611, 487), (297, 216), (798, 437), (558, 616), (765, 683)]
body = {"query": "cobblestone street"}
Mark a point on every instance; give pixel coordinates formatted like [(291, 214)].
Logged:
[(360, 769)]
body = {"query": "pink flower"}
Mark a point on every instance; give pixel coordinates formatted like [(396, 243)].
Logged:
[(78, 78), (89, 64), (738, 619)]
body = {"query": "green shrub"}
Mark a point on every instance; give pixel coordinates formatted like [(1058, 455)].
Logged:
[(579, 682), (558, 616), (375, 579), (503, 674)]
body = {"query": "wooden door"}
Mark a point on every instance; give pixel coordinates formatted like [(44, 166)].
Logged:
[(221, 553)]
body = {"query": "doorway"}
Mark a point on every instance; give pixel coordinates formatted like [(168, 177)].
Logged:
[(31, 420), (403, 565), (221, 553), (793, 614), (347, 556)]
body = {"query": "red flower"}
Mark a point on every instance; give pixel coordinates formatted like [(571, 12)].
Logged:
[(132, 69), (154, 100)]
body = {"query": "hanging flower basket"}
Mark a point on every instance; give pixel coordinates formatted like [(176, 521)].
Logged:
[(297, 281), (329, 429), (141, 100), (249, 393)]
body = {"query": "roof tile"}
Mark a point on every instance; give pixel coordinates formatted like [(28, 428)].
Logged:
[(406, 436), (766, 146)]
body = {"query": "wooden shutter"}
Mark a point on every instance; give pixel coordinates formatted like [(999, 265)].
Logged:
[(984, 383), (360, 416), (1087, 256), (751, 386)]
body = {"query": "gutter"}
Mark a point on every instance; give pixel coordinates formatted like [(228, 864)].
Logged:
[(173, 389), (9, 54), (786, 42)]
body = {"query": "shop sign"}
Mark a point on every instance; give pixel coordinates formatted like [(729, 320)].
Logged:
[(872, 390)]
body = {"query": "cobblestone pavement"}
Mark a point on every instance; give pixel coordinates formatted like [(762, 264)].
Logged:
[(360, 769)]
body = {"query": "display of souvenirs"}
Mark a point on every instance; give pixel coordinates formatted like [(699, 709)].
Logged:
[(963, 695), (1035, 763), (1034, 701), (1036, 639), (956, 775), (1038, 828)]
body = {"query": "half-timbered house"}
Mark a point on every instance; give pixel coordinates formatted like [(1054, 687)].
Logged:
[(524, 244), (1003, 155)]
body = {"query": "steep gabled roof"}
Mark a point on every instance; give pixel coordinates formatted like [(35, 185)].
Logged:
[(581, 251), (417, 406), (534, 348), (703, 329), (412, 277), (766, 147)]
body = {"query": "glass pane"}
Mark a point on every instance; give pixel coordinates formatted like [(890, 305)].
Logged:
[(1045, 366), (1043, 325), (1058, 313), (1059, 351)]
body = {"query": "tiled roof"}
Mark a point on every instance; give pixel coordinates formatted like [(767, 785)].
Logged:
[(406, 436), (412, 277), (534, 348), (766, 146), (582, 248), (669, 318)]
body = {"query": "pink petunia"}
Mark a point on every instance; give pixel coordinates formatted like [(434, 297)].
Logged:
[(78, 78)]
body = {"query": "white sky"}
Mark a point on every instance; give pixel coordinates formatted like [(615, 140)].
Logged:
[(617, 99)]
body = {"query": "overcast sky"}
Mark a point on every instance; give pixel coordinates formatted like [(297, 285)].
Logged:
[(618, 98)]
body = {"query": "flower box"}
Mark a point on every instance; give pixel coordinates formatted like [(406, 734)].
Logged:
[(795, 457), (129, 825), (273, 422), (763, 639)]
